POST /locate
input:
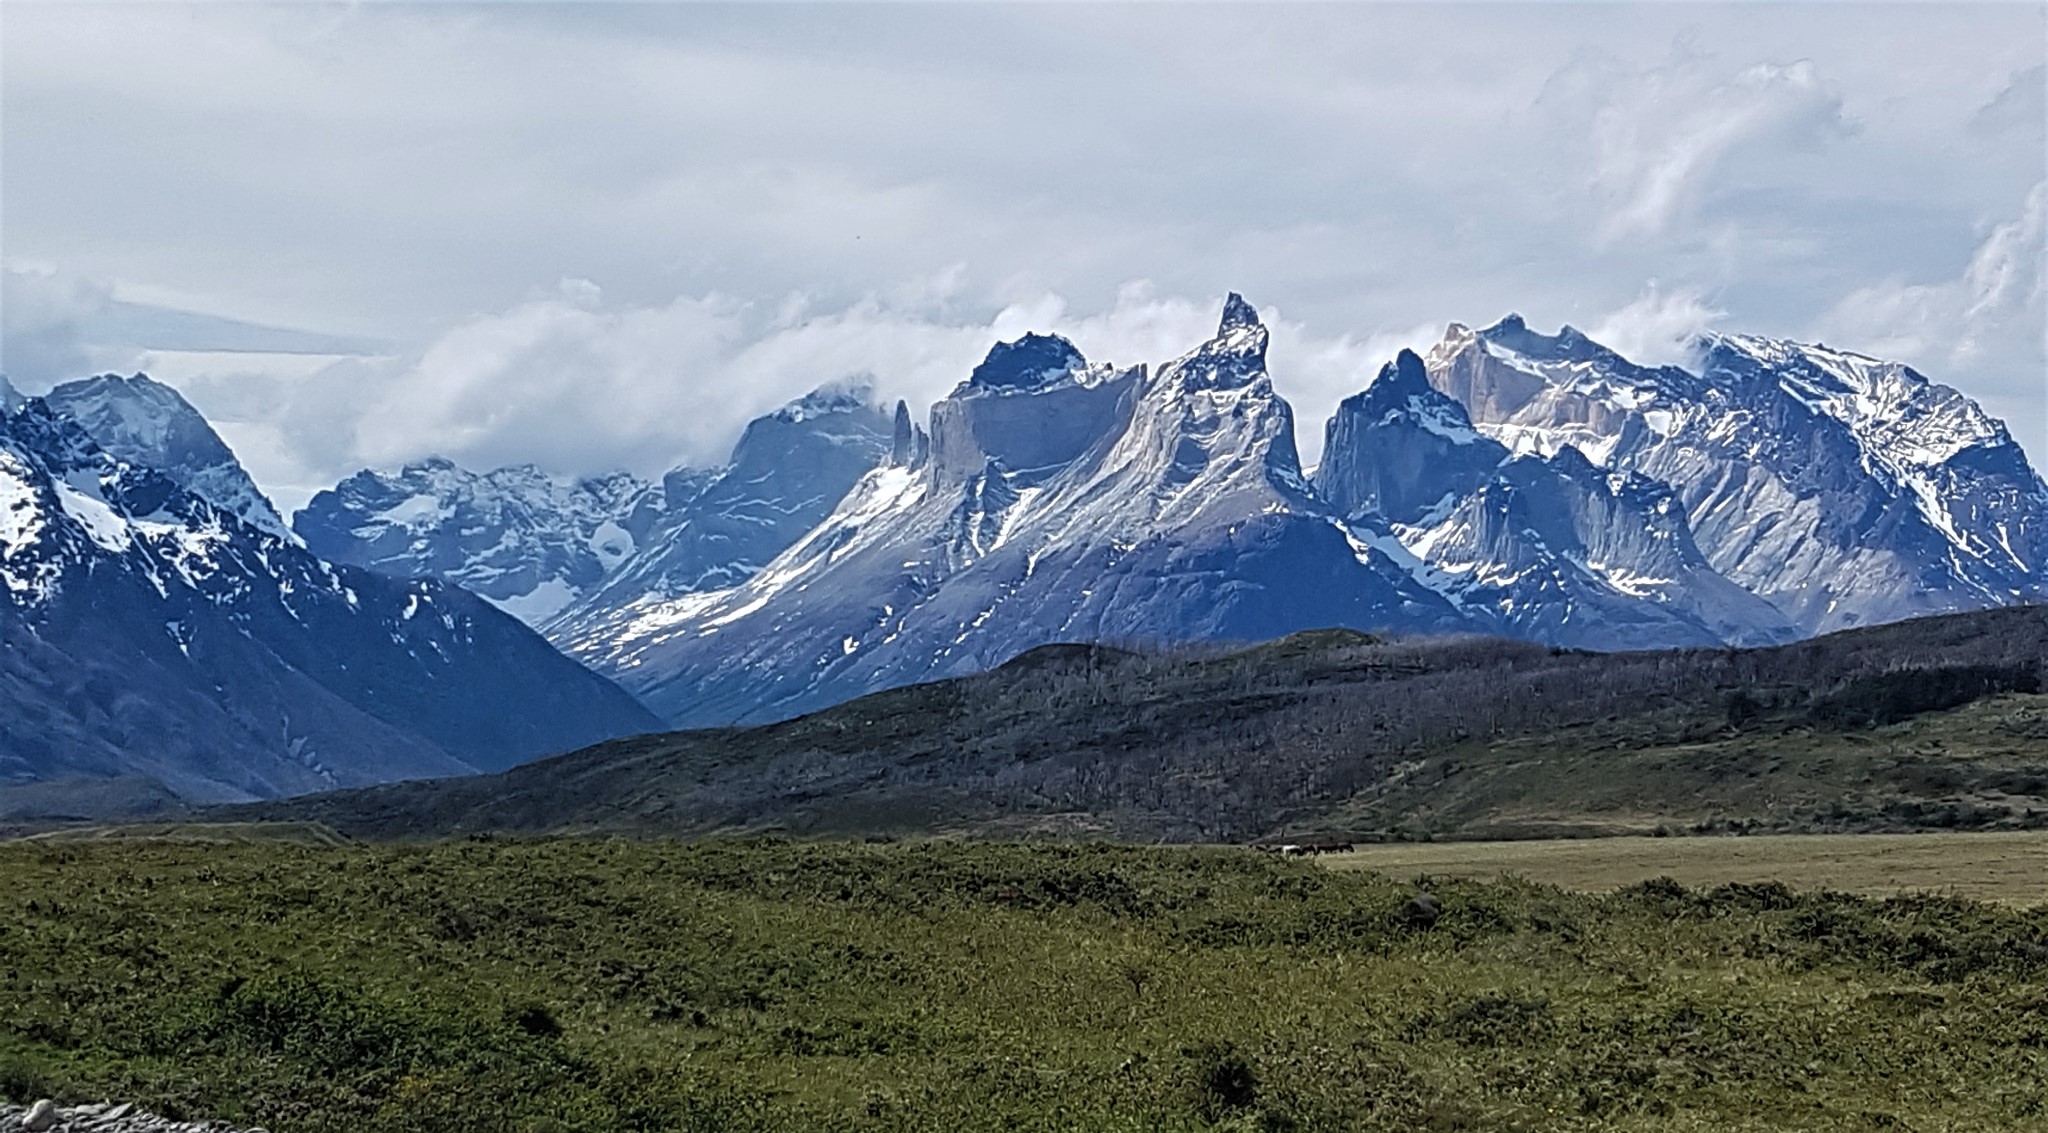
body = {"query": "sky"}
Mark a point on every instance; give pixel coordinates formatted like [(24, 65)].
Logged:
[(599, 236)]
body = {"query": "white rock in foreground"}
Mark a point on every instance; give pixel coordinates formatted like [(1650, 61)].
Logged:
[(46, 1116)]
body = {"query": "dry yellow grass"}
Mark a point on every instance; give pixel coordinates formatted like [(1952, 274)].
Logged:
[(2006, 867)]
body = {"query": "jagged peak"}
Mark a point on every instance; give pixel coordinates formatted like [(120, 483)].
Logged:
[(1407, 370), (137, 385), (10, 398), (1396, 383), (1235, 358), (1393, 386), (1569, 460), (846, 395), (1785, 351), (1569, 344), (111, 390), (1030, 362), (1237, 315)]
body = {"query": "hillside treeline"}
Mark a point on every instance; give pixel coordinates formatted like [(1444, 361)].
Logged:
[(1226, 746)]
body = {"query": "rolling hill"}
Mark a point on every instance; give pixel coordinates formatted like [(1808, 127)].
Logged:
[(1934, 723)]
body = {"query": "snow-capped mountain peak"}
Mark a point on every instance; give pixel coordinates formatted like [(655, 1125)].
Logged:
[(1909, 420), (1402, 389), (525, 540), (1917, 440), (1237, 315), (1843, 488), (148, 423)]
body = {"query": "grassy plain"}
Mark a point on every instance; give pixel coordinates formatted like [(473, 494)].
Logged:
[(2010, 867), (610, 985)]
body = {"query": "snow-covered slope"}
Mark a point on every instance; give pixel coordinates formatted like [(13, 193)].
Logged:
[(1058, 501), (145, 422), (147, 632), (529, 542), (1842, 489)]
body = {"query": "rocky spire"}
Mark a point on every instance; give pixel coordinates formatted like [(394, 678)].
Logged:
[(1237, 315), (902, 443)]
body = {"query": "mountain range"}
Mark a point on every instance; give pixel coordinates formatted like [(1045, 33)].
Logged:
[(1504, 482), (160, 629), (573, 552), (1501, 483)]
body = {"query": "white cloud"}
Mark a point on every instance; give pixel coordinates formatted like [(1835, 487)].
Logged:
[(852, 188), (579, 387), (1658, 328), (1952, 324), (44, 314), (1662, 134)]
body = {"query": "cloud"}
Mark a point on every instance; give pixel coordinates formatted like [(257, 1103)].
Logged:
[(579, 386), (1952, 324), (2020, 109), (44, 315), (1661, 135), (1658, 328), (844, 189)]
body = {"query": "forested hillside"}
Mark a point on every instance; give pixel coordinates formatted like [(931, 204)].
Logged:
[(1936, 722)]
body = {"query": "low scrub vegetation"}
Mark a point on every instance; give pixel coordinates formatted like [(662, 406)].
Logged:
[(1328, 734), (771, 985)]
